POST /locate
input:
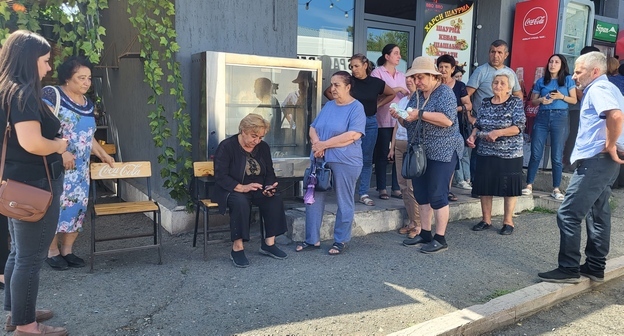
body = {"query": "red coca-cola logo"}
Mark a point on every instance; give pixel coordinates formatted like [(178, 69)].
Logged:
[(535, 21)]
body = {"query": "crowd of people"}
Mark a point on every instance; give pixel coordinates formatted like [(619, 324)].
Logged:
[(472, 136)]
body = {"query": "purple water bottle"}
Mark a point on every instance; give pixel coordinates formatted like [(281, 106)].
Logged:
[(308, 198)]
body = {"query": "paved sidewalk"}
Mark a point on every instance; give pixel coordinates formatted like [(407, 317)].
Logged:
[(597, 312), (377, 287)]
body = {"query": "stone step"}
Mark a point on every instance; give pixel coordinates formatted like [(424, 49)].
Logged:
[(390, 215)]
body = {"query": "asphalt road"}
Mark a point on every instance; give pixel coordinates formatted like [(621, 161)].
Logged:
[(376, 287)]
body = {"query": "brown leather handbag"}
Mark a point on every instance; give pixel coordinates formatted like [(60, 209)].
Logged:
[(19, 200)]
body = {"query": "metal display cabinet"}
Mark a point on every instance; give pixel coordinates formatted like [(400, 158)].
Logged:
[(284, 91)]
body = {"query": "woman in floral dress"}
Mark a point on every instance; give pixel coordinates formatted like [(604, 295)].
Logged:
[(78, 126)]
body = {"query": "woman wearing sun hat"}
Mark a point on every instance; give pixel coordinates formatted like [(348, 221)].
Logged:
[(443, 145)]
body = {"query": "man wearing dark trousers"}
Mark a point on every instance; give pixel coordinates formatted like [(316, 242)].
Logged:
[(598, 165)]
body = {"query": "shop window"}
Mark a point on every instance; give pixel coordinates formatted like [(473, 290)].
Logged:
[(325, 33), (403, 9), (598, 7)]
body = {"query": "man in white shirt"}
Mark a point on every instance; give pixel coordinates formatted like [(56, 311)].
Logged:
[(598, 165)]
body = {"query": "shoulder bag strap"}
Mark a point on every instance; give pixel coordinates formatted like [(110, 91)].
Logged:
[(7, 131), (57, 106), (4, 143), (420, 127)]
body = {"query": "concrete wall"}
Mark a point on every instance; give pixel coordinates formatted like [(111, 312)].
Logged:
[(125, 95), (267, 27), (264, 28)]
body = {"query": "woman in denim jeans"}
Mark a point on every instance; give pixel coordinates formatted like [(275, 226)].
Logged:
[(553, 93), (372, 93), (23, 63)]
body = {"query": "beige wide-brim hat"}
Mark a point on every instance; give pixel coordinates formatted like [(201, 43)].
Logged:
[(423, 64)]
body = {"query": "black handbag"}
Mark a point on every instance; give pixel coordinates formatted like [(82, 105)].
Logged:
[(466, 129), (322, 174), (414, 159)]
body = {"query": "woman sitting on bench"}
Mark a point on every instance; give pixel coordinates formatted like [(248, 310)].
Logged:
[(244, 176)]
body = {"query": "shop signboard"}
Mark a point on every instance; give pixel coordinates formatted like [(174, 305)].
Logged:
[(534, 36), (448, 30), (605, 31)]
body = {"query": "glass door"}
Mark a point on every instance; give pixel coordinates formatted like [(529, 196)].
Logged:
[(574, 26), (378, 34)]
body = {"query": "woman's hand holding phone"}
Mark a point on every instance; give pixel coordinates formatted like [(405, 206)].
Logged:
[(270, 190)]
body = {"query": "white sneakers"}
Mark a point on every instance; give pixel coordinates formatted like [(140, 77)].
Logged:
[(464, 185), (527, 191), (558, 195)]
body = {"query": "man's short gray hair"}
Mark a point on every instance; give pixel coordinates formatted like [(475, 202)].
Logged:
[(593, 60), (511, 76)]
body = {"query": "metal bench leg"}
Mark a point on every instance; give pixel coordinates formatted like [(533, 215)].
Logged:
[(92, 254), (206, 219), (196, 224), (159, 231)]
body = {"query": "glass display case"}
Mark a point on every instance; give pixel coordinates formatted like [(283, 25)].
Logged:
[(283, 90)]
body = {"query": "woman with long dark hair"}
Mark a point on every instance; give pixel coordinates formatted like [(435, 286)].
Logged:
[(387, 71), (553, 93), (24, 61)]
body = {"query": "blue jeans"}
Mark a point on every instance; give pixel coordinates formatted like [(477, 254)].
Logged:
[(29, 248), (463, 173), (554, 122), (587, 197), (368, 148), (345, 177)]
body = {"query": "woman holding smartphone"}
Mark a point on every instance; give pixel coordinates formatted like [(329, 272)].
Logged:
[(553, 93), (244, 176)]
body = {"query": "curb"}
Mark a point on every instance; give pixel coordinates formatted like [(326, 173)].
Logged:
[(510, 308)]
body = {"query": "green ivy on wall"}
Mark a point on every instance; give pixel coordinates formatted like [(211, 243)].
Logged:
[(18, 15), (75, 24), (77, 31), (78, 27), (154, 21)]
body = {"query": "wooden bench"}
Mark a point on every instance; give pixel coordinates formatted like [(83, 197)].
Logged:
[(124, 170), (203, 171)]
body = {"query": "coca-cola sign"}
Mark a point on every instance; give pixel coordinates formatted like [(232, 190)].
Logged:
[(535, 21), (123, 171)]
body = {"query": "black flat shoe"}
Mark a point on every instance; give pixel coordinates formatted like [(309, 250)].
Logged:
[(433, 246), (506, 230), (74, 261), (57, 263), (415, 241), (239, 259), (481, 226), (273, 251)]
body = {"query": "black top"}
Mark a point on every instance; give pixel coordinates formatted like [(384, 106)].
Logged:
[(20, 164), (230, 163), (366, 91), (459, 89)]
